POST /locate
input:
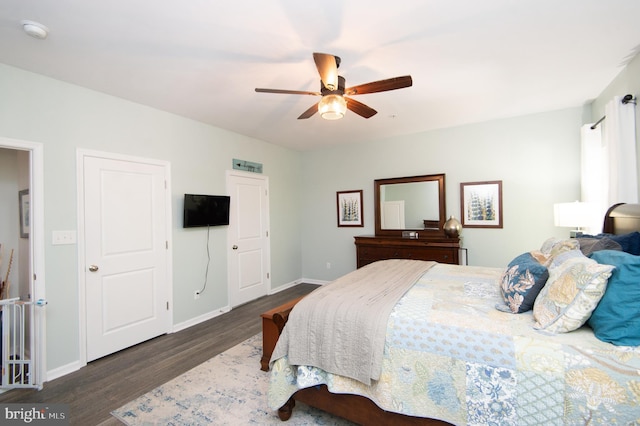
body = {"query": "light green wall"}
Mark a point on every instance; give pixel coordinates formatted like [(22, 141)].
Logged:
[(536, 157), (65, 117)]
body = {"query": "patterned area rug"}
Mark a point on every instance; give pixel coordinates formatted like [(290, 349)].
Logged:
[(229, 389)]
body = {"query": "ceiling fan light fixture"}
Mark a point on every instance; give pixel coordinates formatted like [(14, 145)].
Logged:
[(332, 107)]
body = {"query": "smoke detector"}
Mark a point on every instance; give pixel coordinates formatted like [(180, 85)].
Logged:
[(35, 29)]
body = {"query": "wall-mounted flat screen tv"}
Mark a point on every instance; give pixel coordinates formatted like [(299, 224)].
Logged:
[(206, 210)]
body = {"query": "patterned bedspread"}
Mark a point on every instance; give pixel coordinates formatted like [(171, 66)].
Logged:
[(450, 355)]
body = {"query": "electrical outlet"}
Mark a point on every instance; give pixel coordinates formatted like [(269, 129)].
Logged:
[(328, 265), (196, 295)]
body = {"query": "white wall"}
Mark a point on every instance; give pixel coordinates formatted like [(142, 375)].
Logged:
[(536, 157), (64, 118)]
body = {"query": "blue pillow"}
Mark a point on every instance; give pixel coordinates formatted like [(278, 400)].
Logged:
[(521, 282), (630, 242), (616, 319), (590, 245)]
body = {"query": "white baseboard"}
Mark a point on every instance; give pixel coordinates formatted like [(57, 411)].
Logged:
[(284, 287), (199, 319), (312, 281), (63, 371)]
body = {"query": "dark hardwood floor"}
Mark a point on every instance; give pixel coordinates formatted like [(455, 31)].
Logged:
[(110, 382)]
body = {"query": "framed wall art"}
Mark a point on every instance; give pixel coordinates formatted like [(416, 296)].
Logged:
[(25, 224), (481, 204), (349, 205)]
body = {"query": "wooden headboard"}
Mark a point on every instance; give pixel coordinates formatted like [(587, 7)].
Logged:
[(621, 219)]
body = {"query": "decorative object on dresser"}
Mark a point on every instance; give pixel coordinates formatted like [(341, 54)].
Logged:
[(452, 227), (481, 204)]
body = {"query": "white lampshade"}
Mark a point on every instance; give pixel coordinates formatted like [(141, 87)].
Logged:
[(573, 215), (332, 107)]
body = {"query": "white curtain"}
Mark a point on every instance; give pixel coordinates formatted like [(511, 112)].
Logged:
[(593, 159), (609, 169)]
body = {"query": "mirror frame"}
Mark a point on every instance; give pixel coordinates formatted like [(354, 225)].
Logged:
[(422, 233)]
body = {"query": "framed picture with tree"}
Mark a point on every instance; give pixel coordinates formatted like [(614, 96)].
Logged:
[(350, 208), (481, 204)]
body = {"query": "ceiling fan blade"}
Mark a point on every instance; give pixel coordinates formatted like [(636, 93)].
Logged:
[(287, 92), (308, 113), (327, 66), (360, 108), (380, 86)]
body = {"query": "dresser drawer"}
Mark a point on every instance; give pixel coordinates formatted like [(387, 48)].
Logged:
[(436, 254), (368, 253)]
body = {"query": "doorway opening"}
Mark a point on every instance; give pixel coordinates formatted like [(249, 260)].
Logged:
[(22, 285)]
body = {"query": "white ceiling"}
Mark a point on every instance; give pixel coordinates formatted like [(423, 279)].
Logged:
[(470, 60)]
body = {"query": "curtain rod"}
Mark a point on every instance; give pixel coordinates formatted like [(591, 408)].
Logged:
[(627, 98)]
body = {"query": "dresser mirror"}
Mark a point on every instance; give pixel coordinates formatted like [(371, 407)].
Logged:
[(412, 206)]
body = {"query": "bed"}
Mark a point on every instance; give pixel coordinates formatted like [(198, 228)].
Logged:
[(555, 342)]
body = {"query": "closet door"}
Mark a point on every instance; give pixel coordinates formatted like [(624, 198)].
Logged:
[(126, 253)]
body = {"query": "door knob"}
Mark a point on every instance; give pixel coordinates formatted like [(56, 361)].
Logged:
[(235, 247), (93, 268)]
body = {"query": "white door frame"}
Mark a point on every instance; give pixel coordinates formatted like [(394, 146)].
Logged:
[(80, 155), (36, 249)]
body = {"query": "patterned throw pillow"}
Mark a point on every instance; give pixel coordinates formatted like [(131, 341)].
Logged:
[(521, 282), (572, 292), (553, 246)]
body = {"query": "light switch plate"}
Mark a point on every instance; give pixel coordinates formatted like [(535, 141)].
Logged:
[(63, 237)]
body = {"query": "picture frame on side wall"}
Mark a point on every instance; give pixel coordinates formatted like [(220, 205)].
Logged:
[(25, 215), (481, 204), (349, 205)]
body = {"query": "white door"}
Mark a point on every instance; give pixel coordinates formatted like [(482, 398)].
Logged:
[(248, 238), (392, 214), (127, 287)]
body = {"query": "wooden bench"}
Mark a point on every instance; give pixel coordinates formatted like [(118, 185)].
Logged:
[(273, 322)]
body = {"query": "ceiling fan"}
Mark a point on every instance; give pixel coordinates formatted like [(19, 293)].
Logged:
[(335, 102)]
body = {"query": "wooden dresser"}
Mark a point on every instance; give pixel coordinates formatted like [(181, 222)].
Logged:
[(370, 248)]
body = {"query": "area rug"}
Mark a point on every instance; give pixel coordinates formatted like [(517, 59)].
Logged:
[(228, 389)]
